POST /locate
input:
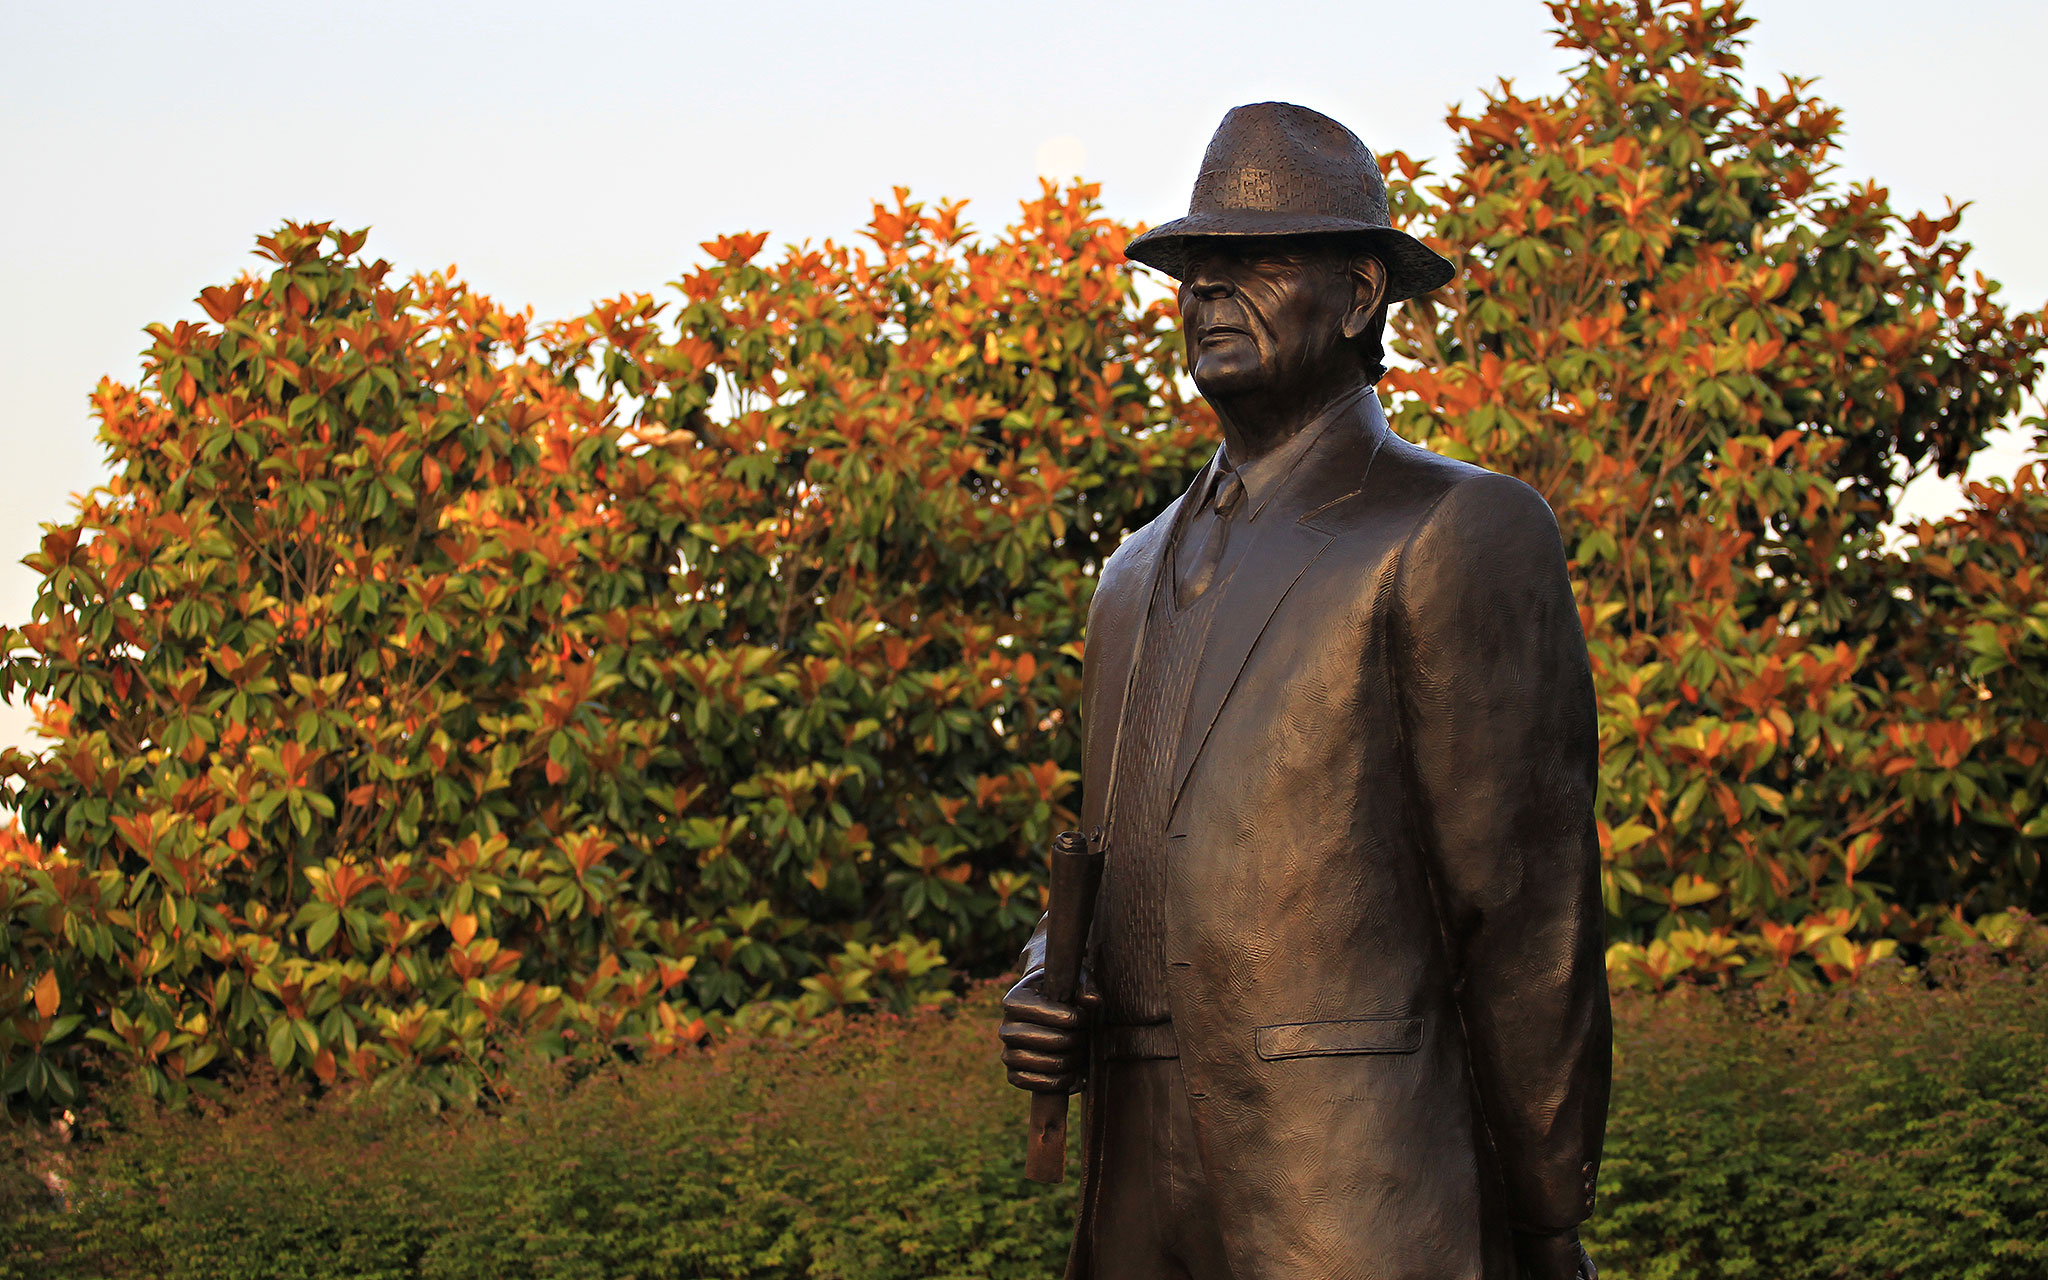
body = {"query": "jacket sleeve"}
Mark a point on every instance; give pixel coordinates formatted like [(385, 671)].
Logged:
[(1499, 719), (1031, 961)]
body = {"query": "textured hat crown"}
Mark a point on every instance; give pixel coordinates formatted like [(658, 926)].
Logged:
[(1276, 169), (1275, 157)]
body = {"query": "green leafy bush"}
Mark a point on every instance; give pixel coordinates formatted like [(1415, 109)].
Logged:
[(1722, 364), (884, 1148), (1886, 1129), (1891, 1128), (426, 679)]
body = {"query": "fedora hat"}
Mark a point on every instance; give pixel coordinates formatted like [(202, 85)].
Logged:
[(1275, 169)]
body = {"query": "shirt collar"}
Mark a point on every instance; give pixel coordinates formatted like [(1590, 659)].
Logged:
[(1262, 476)]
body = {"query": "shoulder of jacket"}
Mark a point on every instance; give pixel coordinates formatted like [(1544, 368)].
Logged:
[(1118, 566), (1405, 485), (1139, 544), (1486, 506), (1483, 527), (1414, 467)]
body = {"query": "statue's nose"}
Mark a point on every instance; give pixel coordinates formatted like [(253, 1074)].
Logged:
[(1210, 289)]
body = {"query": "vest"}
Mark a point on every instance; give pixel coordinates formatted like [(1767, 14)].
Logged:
[(1129, 957)]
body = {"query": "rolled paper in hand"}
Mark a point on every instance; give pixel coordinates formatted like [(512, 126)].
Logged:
[(1076, 875)]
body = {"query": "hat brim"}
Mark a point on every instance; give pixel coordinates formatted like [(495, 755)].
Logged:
[(1413, 268)]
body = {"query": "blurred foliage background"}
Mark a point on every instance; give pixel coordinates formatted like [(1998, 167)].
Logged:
[(430, 681)]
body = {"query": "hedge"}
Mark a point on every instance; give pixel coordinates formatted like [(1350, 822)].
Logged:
[(1895, 1128)]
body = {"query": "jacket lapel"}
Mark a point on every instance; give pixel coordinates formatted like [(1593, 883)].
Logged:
[(1116, 629), (1285, 540)]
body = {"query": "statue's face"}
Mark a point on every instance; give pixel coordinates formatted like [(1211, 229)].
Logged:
[(1263, 314)]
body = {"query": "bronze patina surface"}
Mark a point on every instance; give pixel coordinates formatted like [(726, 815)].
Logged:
[(1345, 1013)]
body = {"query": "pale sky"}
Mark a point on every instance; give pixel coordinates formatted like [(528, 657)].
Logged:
[(561, 153)]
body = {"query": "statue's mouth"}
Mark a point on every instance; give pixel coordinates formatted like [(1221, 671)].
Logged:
[(1221, 331)]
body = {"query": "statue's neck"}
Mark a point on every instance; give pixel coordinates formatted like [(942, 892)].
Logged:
[(1256, 423)]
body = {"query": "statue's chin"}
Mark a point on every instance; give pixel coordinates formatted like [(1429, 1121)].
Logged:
[(1222, 376)]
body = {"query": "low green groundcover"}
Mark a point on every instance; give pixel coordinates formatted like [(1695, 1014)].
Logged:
[(1895, 1129)]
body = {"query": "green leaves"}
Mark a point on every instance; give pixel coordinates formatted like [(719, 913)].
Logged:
[(401, 611), (713, 659), (1722, 366), (1895, 1128)]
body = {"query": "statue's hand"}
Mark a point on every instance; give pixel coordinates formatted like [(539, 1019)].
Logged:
[(1558, 1257), (1045, 1043)]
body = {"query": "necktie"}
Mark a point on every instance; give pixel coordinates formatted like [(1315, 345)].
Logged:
[(1202, 549)]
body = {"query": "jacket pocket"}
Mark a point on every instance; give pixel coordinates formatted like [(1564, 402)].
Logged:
[(1326, 1039)]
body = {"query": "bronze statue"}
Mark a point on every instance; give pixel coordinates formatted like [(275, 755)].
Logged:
[(1345, 1012)]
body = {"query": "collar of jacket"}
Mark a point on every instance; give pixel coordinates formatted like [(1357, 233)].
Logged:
[(1265, 474)]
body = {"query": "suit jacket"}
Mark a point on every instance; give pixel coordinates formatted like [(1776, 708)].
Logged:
[(1384, 925)]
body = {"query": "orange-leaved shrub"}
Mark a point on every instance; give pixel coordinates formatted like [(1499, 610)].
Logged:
[(1722, 366), (427, 678)]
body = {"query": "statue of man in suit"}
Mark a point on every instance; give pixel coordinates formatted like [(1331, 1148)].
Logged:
[(1348, 1015)]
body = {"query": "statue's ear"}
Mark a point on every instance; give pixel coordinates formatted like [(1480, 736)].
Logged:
[(1368, 293)]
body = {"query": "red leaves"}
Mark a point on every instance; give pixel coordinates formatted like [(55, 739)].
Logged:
[(1721, 419), (59, 544), (586, 849), (222, 303), (339, 882), (46, 996), (768, 599), (1047, 777), (734, 250), (140, 832), (896, 651), (295, 760), (1946, 743)]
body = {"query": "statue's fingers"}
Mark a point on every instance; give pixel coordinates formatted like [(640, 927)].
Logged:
[(1087, 997), (1036, 1063), (1040, 1039), (1028, 1006), (1042, 1082), (1061, 1055)]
